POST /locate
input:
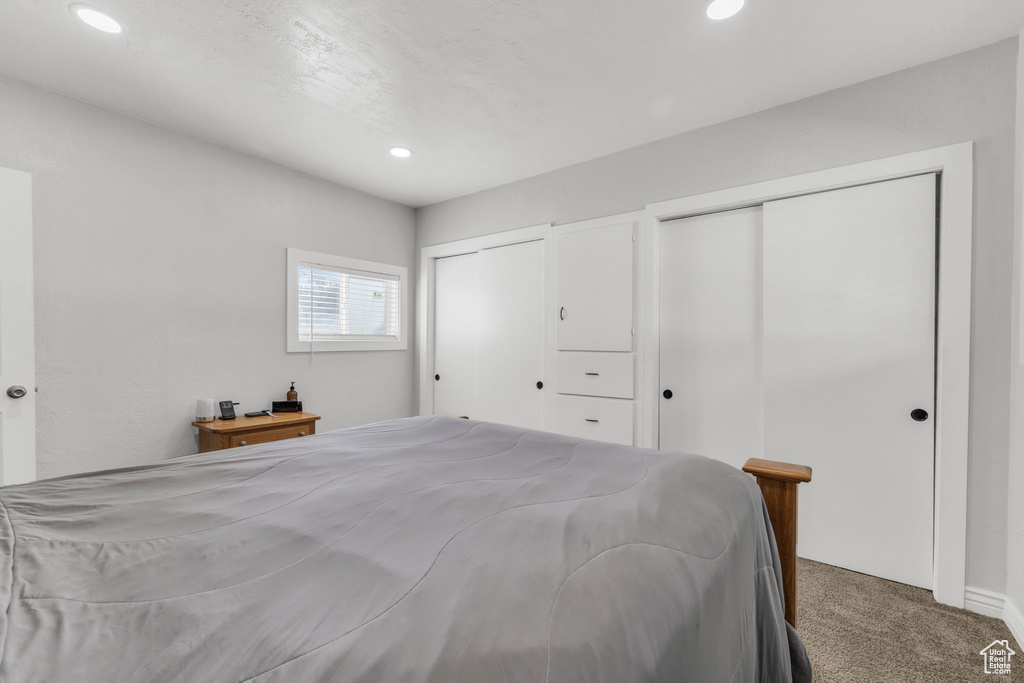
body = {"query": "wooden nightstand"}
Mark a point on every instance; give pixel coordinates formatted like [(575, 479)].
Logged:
[(246, 431)]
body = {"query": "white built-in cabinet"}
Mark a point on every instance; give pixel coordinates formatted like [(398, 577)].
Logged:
[(595, 361), (594, 287)]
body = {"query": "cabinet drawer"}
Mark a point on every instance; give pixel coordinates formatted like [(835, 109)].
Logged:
[(267, 435), (600, 419), (595, 374)]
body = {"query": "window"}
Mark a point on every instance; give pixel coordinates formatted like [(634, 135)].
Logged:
[(342, 304)]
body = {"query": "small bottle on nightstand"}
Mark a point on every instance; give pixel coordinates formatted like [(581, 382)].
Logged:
[(292, 394)]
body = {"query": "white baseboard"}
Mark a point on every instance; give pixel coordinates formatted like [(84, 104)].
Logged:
[(984, 602), (1015, 620), (996, 605)]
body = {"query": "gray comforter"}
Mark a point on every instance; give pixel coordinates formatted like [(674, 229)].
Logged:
[(422, 549)]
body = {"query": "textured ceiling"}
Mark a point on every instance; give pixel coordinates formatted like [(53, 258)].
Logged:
[(485, 91)]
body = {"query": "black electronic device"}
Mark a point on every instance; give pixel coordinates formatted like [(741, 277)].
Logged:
[(227, 410), (259, 413), (286, 407)]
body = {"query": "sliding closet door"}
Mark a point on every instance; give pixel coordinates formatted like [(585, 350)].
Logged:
[(849, 366), (455, 335), (511, 334), (711, 335)]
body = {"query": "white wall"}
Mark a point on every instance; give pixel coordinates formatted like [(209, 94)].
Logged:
[(160, 278), (966, 97), (1015, 477)]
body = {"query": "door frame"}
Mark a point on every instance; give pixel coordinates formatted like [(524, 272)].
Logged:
[(425, 299), (954, 165)]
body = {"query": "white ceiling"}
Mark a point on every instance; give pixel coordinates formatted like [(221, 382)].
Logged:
[(485, 91)]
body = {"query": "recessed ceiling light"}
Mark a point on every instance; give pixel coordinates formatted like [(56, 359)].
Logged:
[(723, 9), (401, 152), (97, 19)]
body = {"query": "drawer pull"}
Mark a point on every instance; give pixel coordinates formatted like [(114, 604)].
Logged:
[(590, 419), (592, 374), (242, 444), (302, 433)]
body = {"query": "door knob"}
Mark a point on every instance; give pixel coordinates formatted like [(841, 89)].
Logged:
[(561, 313), (919, 415), (437, 377), (667, 393), (17, 391), (540, 385)]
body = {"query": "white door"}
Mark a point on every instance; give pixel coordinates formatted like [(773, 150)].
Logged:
[(711, 335), (17, 337), (804, 331), (455, 335), (849, 355), (594, 288), (511, 334)]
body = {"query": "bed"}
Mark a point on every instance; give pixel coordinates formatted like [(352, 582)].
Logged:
[(420, 549)]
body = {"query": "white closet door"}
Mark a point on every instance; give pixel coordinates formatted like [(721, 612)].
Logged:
[(849, 335), (455, 335), (711, 335), (511, 334), (594, 285), (17, 339)]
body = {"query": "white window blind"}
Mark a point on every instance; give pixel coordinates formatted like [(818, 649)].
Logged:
[(339, 303), (342, 303)]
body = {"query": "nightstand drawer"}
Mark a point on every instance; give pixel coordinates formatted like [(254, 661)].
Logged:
[(267, 435), (246, 431)]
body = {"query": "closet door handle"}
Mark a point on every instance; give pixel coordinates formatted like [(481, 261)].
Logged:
[(591, 374), (590, 419), (561, 313)]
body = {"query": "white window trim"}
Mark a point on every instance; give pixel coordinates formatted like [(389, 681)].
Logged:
[(296, 257)]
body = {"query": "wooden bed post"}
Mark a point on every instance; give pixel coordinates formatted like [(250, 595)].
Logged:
[(778, 482)]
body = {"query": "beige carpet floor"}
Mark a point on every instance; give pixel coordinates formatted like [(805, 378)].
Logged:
[(862, 629)]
